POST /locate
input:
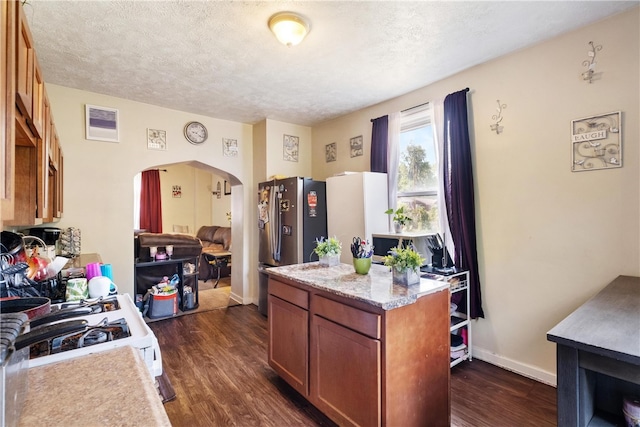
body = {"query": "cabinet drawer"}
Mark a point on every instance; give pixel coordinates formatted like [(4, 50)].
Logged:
[(353, 318), (288, 293)]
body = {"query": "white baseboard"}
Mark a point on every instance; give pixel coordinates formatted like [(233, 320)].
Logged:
[(520, 368)]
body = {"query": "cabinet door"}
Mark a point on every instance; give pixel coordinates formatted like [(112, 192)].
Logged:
[(7, 100), (345, 374), (24, 65), (289, 343)]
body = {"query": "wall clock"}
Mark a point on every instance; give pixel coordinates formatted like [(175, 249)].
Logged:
[(195, 132)]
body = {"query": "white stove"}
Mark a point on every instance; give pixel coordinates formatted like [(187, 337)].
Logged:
[(141, 337)]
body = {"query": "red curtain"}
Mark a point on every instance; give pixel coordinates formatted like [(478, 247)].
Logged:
[(151, 202)]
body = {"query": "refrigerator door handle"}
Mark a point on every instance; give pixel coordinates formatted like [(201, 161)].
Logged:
[(274, 224)]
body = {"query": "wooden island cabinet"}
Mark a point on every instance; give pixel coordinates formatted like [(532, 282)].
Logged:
[(362, 350)]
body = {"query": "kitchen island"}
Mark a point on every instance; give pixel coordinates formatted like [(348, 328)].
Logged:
[(362, 350), (110, 388)]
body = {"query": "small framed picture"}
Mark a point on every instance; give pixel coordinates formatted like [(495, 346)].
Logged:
[(229, 147), (596, 142), (227, 188), (330, 152), (156, 139), (176, 191), (356, 146), (290, 146), (101, 123)]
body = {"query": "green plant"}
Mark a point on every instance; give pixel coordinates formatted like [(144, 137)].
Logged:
[(398, 215), (403, 259), (330, 246)]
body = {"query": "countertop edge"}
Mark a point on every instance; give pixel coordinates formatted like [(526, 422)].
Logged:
[(413, 292)]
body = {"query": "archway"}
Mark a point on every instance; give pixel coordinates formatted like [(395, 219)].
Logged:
[(190, 199)]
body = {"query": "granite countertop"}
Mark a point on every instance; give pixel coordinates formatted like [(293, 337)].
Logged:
[(110, 388), (375, 288)]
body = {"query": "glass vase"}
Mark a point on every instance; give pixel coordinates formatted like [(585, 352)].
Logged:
[(405, 278), (329, 260)]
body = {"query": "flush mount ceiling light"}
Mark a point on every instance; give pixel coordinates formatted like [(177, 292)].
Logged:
[(288, 27)]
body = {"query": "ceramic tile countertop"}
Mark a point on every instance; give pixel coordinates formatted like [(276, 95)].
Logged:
[(111, 388), (375, 288)]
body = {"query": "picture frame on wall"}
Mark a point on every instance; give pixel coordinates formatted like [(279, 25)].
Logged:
[(596, 142), (156, 139), (229, 147), (355, 144), (227, 188), (102, 123), (331, 152), (290, 147)]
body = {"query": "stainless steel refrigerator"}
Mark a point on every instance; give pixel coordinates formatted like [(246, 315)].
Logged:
[(292, 214)]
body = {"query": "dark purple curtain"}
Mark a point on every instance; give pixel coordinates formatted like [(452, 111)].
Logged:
[(379, 144), (151, 202), (458, 193)]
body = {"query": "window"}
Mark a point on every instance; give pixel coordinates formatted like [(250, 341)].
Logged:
[(417, 185)]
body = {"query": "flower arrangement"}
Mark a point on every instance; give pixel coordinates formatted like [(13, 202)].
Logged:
[(402, 259), (328, 247)]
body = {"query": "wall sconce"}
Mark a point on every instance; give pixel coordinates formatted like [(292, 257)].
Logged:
[(590, 63), (498, 118), (218, 191), (289, 28)]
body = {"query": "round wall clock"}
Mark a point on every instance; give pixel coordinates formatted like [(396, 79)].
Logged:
[(195, 132)]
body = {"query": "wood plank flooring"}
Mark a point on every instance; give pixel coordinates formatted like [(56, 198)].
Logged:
[(217, 364)]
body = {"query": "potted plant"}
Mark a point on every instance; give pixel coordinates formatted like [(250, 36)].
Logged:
[(400, 220), (328, 250), (405, 264)]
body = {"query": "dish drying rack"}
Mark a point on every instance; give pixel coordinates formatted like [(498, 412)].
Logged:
[(13, 275)]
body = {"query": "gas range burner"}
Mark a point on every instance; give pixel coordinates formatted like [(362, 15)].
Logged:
[(105, 331), (100, 305)]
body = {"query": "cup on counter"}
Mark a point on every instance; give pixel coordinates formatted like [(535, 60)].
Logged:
[(99, 286), (93, 270), (77, 289), (107, 271)]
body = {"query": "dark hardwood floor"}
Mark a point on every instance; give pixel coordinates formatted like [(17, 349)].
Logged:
[(217, 364)]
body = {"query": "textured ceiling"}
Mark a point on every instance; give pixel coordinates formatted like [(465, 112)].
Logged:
[(219, 59)]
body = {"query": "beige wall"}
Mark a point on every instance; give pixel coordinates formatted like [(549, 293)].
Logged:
[(548, 238), (197, 206), (98, 181)]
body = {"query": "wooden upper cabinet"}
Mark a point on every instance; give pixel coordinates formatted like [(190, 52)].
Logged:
[(37, 118), (7, 102), (24, 65)]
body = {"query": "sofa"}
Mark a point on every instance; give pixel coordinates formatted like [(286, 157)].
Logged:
[(215, 240)]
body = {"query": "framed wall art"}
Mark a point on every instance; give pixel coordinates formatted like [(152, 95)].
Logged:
[(356, 146), (290, 146), (156, 139), (596, 142), (330, 152), (229, 147), (101, 123), (176, 191)]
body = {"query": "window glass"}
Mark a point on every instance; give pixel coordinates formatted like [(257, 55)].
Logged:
[(418, 170)]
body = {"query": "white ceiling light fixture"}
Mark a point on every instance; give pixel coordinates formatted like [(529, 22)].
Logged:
[(289, 27)]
